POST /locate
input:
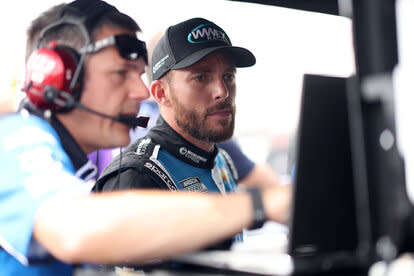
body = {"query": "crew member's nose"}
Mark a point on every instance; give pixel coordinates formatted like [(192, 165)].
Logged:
[(138, 89)]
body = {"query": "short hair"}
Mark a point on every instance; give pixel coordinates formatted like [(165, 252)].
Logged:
[(69, 34), (39, 23), (114, 19)]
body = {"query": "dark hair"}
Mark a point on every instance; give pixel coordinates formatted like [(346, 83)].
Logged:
[(38, 24), (114, 19), (70, 34)]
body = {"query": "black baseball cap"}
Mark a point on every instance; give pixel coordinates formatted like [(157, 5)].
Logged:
[(185, 43)]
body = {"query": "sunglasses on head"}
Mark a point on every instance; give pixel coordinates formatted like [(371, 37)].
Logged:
[(129, 47)]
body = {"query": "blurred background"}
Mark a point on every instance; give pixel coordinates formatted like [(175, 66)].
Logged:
[(287, 43)]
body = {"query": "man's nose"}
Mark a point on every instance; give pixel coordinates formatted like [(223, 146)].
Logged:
[(138, 89), (221, 90)]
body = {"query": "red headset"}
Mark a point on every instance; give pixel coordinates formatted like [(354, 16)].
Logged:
[(53, 78), (54, 74)]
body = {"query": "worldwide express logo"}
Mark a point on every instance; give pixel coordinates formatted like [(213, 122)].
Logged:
[(207, 33)]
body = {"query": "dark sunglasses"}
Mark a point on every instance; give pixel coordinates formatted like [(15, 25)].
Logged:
[(129, 47)]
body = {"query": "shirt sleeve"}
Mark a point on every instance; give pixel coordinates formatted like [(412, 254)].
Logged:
[(242, 163), (33, 167)]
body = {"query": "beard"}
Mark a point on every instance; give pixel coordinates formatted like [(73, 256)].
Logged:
[(195, 123)]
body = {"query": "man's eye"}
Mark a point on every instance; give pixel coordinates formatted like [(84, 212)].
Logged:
[(199, 78), (229, 77), (122, 73)]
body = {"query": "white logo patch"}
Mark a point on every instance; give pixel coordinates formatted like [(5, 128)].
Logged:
[(191, 155), (207, 33), (216, 175), (142, 147), (193, 184), (161, 175), (159, 64)]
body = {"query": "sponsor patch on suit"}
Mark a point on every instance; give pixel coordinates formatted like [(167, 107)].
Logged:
[(193, 184)]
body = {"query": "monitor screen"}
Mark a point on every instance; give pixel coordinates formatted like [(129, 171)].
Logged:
[(323, 215), (330, 220)]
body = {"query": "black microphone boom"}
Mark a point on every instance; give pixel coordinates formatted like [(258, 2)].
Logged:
[(133, 121), (51, 94), (129, 120)]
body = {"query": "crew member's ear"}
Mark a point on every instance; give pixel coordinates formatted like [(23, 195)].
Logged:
[(160, 92)]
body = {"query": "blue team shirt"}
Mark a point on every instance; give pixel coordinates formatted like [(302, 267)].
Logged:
[(33, 168)]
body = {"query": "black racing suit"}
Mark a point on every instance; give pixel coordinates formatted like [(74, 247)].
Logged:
[(165, 160)]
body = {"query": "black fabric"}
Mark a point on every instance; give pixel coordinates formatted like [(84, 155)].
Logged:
[(130, 178), (189, 41), (71, 147), (128, 171), (178, 38), (259, 213), (130, 164)]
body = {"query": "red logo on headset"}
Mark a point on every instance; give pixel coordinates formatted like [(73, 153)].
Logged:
[(48, 67)]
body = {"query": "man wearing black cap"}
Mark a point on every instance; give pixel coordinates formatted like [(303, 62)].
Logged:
[(194, 69)]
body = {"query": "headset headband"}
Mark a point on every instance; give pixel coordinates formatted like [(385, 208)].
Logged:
[(79, 22)]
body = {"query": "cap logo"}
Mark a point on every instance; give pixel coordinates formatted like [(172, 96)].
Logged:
[(159, 64), (207, 33)]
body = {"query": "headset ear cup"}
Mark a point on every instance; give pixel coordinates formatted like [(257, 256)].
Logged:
[(72, 57), (53, 68)]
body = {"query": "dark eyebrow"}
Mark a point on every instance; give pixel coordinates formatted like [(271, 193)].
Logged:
[(206, 69), (200, 69), (231, 69), (132, 66)]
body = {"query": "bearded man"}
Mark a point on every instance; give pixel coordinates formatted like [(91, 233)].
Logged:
[(194, 83)]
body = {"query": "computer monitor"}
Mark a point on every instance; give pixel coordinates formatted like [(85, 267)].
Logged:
[(327, 228)]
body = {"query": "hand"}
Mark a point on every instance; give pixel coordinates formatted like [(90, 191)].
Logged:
[(277, 202)]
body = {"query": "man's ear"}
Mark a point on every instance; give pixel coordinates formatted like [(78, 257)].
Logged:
[(160, 92)]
